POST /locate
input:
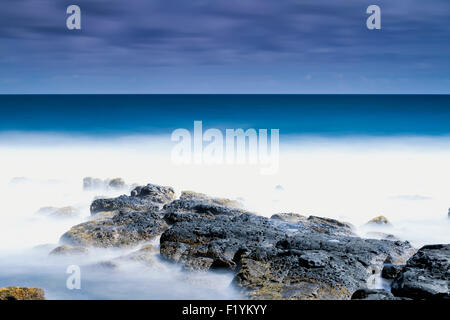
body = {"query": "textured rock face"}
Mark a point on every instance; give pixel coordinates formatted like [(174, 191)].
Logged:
[(314, 266), (272, 261), (154, 193), (21, 293), (150, 197), (123, 229), (426, 274)]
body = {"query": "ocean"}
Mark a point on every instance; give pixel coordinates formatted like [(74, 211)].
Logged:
[(348, 157)]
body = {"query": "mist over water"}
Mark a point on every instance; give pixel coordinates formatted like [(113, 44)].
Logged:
[(351, 179)]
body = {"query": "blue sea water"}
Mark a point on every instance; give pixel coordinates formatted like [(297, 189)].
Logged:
[(379, 115)]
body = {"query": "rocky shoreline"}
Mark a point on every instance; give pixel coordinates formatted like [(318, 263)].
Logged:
[(287, 256)]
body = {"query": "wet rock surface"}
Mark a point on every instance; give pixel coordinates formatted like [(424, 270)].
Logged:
[(426, 274), (373, 294), (21, 293)]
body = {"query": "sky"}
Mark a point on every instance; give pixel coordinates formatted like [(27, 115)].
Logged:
[(224, 46)]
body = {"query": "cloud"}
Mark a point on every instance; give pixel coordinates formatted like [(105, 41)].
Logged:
[(124, 38)]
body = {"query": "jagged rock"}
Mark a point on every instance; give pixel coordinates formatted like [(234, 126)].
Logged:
[(426, 274), (391, 271), (380, 220), (123, 229), (21, 293), (60, 213), (149, 197), (69, 250), (313, 266), (272, 262), (373, 294)]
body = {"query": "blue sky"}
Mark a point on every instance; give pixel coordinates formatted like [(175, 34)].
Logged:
[(224, 46)]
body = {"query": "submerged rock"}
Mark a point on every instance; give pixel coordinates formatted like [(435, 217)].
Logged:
[(90, 183), (69, 250), (60, 213), (426, 274), (373, 294), (290, 217), (380, 220), (21, 293), (123, 229)]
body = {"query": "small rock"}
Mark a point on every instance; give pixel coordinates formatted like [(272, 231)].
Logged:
[(380, 220), (21, 293), (69, 250), (391, 271), (60, 213), (373, 294)]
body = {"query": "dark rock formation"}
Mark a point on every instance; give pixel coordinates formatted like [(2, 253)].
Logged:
[(426, 274), (150, 197), (315, 224), (391, 271), (273, 261), (373, 294), (21, 293), (123, 229)]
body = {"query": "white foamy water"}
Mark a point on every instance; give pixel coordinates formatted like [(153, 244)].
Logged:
[(404, 179)]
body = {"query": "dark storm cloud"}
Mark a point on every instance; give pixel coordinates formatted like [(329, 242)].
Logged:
[(312, 34)]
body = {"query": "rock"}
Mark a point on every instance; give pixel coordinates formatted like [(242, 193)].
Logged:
[(184, 209), (60, 213), (150, 197), (295, 218), (123, 229), (21, 293), (381, 236), (123, 202), (373, 294), (312, 266), (69, 250), (316, 224), (270, 261), (391, 271), (426, 274), (380, 220), (191, 195), (90, 183), (154, 193)]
